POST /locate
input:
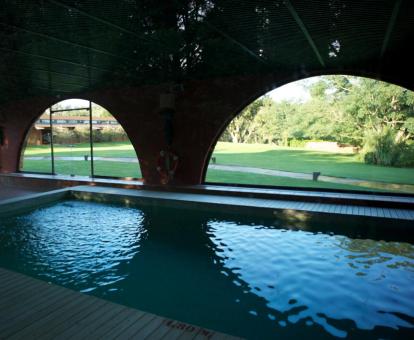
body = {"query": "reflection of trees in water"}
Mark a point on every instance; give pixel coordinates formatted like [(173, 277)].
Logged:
[(370, 252)]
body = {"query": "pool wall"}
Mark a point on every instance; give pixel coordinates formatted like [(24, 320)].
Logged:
[(30, 202)]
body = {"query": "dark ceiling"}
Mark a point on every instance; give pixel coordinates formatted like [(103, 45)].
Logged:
[(66, 47)]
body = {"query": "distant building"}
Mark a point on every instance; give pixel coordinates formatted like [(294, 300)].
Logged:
[(40, 132)]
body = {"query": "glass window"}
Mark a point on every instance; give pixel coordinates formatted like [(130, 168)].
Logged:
[(328, 132), (60, 142)]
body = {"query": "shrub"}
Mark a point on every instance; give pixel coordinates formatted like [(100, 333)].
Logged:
[(297, 143), (382, 147), (116, 134), (407, 157), (301, 143), (81, 135)]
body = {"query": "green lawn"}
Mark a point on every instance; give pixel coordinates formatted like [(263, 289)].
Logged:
[(82, 168), (255, 155), (100, 149), (217, 176), (307, 161)]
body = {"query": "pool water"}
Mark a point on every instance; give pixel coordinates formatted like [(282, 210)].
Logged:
[(244, 276)]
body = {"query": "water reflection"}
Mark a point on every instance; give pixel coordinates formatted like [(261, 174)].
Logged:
[(76, 244), (321, 279), (243, 276)]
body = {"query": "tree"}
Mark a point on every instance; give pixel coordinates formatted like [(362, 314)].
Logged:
[(318, 90), (376, 116), (242, 127), (374, 106), (268, 123)]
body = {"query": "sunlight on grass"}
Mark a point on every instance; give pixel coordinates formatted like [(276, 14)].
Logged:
[(81, 168), (217, 176), (103, 149), (345, 165)]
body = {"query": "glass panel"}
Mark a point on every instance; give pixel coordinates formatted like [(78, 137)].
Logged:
[(327, 132), (37, 150), (71, 137), (114, 155)]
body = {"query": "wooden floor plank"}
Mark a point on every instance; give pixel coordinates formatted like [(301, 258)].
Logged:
[(136, 327), (149, 328), (42, 305), (33, 326), (20, 293), (188, 332), (51, 320), (11, 286), (111, 311), (104, 329), (160, 332), (125, 324), (33, 309), (180, 330), (14, 285), (72, 318), (84, 323)]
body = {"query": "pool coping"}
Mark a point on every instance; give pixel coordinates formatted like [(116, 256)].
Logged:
[(384, 200), (201, 201)]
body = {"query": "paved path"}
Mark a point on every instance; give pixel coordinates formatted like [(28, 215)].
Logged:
[(253, 170), (322, 178)]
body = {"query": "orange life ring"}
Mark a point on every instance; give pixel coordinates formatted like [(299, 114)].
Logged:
[(167, 164)]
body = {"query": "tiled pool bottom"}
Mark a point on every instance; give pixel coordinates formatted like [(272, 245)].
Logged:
[(244, 276)]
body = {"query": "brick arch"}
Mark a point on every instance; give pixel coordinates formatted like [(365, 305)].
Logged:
[(54, 102), (136, 109), (204, 107)]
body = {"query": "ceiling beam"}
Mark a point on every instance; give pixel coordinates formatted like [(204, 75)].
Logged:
[(39, 70), (48, 90), (63, 41), (97, 19), (305, 31), (54, 72), (62, 61), (35, 79), (390, 27), (234, 41)]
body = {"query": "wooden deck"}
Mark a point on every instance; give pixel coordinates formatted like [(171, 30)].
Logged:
[(228, 203), (33, 309)]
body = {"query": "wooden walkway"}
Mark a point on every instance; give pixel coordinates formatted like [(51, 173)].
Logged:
[(240, 204), (34, 309)]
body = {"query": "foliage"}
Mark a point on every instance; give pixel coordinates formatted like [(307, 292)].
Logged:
[(115, 134), (344, 109), (382, 148), (241, 127), (81, 135), (301, 143)]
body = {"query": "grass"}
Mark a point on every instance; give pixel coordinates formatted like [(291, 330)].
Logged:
[(218, 176), (83, 168), (100, 149), (255, 155), (307, 161)]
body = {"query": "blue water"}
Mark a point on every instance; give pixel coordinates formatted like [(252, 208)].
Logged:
[(237, 275)]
